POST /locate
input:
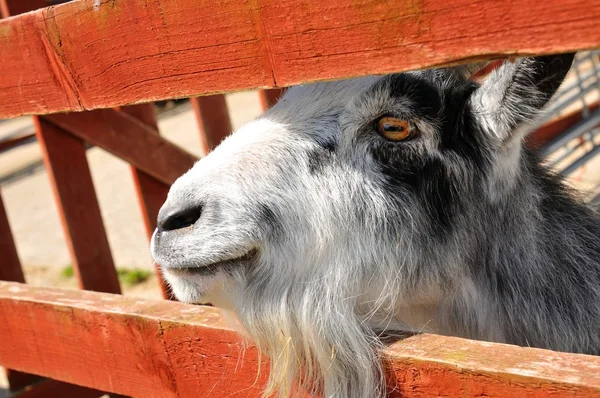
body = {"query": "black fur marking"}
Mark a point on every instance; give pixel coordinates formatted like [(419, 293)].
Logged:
[(424, 97), (460, 133), (440, 196), (411, 169), (268, 217), (428, 181), (321, 157)]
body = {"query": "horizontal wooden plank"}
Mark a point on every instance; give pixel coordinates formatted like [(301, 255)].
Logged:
[(431, 365), (123, 345), (164, 349), (129, 139), (103, 53)]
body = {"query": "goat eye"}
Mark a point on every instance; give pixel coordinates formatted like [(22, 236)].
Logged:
[(394, 129)]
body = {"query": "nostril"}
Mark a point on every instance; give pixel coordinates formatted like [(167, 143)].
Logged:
[(181, 219)]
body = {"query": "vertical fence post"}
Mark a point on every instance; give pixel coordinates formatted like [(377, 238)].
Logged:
[(66, 162), (269, 97), (151, 193), (10, 268), (213, 120)]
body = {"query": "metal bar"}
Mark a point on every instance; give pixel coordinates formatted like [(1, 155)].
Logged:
[(575, 131), (581, 161)]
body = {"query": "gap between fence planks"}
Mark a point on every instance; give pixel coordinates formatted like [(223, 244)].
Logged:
[(98, 54), (166, 349)]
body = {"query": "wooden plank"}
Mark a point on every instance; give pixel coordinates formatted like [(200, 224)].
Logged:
[(268, 98), (151, 193), (213, 120), (67, 166), (432, 365), (163, 349), (99, 54), (124, 345), (129, 139)]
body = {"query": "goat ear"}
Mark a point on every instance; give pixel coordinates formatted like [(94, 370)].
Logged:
[(515, 92)]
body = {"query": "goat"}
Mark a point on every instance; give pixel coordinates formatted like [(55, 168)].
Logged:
[(405, 202)]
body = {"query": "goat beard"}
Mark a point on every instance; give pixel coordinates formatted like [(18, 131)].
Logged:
[(316, 342)]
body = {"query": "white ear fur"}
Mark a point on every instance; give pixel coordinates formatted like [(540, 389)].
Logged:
[(514, 94)]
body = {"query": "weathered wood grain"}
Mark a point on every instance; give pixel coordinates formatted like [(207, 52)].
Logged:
[(163, 349), (128, 346), (103, 53), (129, 139), (430, 365)]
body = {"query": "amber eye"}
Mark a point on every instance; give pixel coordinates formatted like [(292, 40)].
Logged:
[(394, 129)]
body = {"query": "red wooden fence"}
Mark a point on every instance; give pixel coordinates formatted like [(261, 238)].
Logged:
[(104, 55), (99, 54), (166, 349)]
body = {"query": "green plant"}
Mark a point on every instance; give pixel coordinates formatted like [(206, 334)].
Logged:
[(67, 272), (132, 277)]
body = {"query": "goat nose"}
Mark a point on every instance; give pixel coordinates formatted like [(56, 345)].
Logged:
[(178, 219)]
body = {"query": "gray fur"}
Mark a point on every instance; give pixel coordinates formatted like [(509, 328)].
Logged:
[(460, 231)]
